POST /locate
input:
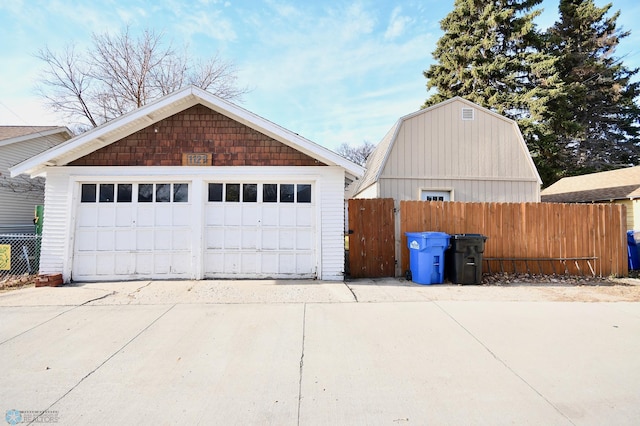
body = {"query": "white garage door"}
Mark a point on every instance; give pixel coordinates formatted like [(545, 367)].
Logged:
[(260, 230), (133, 230), (145, 230)]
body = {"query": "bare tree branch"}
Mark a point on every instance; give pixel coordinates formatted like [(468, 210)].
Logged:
[(126, 72), (22, 184), (217, 76), (357, 154), (65, 83)]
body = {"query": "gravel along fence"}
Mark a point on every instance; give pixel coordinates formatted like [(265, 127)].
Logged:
[(19, 255)]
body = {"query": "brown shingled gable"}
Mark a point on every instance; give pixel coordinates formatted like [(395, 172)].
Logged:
[(197, 130)]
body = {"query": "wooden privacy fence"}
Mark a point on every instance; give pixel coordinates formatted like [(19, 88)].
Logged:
[(543, 238), (371, 238)]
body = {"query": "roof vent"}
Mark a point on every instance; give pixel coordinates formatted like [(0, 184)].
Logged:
[(467, 113)]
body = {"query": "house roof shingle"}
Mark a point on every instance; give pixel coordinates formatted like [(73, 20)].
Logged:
[(603, 186), (10, 132)]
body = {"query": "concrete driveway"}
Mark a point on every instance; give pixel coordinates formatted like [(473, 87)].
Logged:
[(315, 353)]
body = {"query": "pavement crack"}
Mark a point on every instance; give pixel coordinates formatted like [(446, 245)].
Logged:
[(56, 316), (503, 362), (137, 290), (35, 420), (98, 298), (352, 292), (304, 326), (38, 325)]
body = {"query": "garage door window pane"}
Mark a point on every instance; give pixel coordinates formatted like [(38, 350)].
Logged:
[(215, 192), (124, 192), (270, 193), (145, 193), (286, 193), (304, 193), (163, 192), (250, 192), (88, 193), (180, 192), (106, 192), (233, 192)]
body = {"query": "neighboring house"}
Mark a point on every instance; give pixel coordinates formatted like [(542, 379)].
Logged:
[(452, 151), (620, 186), (192, 186), (19, 196)]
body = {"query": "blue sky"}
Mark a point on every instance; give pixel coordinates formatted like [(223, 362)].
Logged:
[(332, 71)]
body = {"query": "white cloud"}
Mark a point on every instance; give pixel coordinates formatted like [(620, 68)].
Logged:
[(210, 23), (15, 7), (333, 76), (283, 9), (334, 72), (397, 24), (84, 17), (357, 22), (330, 48), (132, 14)]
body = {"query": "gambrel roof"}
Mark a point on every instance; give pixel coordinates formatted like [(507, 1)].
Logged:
[(378, 158)]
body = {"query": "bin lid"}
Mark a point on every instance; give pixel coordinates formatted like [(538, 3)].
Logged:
[(468, 237), (429, 234)]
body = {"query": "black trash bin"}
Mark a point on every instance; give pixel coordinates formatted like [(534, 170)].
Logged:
[(463, 259)]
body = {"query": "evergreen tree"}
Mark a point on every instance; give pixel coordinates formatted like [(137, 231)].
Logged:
[(492, 54), (487, 55), (595, 121)]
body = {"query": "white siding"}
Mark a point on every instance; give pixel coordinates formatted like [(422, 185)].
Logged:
[(55, 255), (18, 208), (331, 192), (63, 182)]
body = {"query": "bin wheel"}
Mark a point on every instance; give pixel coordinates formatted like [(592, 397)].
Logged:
[(407, 275)]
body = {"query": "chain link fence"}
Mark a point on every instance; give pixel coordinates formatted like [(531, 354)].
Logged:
[(19, 257)]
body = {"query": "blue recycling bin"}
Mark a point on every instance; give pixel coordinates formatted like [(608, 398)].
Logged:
[(426, 256), (632, 251)]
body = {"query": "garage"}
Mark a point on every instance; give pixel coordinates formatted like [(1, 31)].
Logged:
[(192, 187), (133, 230), (259, 230), (146, 230)]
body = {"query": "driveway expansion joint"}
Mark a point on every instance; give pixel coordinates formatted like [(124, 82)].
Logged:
[(104, 362), (304, 326), (504, 363), (37, 325)]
